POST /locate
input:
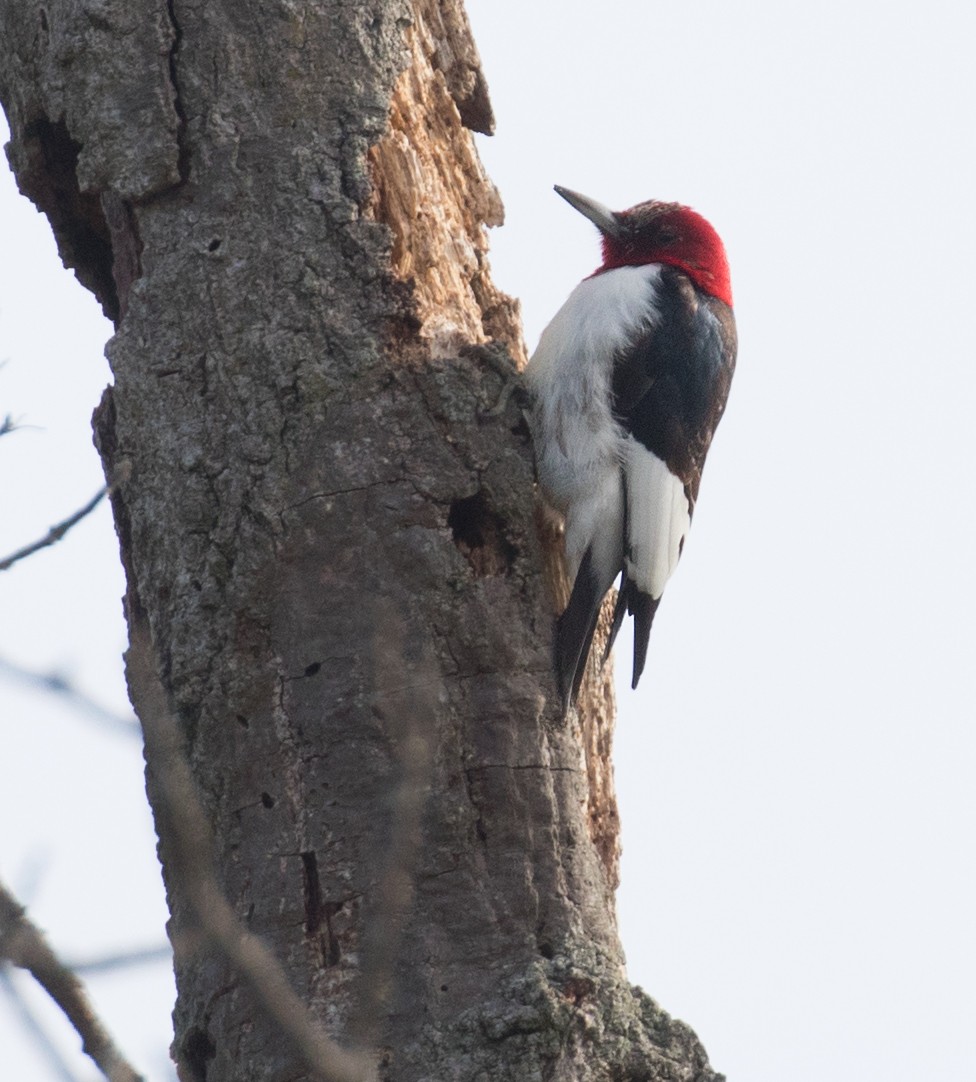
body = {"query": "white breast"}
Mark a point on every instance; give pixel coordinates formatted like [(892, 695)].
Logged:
[(579, 445)]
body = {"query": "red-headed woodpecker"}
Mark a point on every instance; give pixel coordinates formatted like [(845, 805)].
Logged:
[(630, 380)]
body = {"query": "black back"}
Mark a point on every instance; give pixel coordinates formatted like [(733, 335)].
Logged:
[(670, 387)]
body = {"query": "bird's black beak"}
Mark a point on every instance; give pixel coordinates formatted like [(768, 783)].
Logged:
[(604, 219)]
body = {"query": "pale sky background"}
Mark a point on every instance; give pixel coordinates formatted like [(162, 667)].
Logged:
[(796, 772)]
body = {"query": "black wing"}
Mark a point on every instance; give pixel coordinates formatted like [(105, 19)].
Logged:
[(670, 390), (671, 386)]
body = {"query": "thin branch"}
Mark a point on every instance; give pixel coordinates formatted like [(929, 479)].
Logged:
[(55, 533), (60, 685), (406, 697), (189, 836), (61, 1070), (8, 424), (23, 944), (109, 963)]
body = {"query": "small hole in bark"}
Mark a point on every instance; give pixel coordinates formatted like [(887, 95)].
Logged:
[(44, 25), (267, 800), (214, 244), (311, 670), (443, 987), (241, 720), (479, 533), (198, 1051), (547, 950)]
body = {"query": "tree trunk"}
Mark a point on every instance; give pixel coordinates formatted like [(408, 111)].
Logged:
[(333, 543)]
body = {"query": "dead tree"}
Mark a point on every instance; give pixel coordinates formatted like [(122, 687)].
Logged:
[(333, 554)]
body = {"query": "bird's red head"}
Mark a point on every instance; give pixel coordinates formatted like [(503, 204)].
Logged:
[(654, 232)]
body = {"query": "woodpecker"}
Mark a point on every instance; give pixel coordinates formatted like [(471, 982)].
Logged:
[(629, 382)]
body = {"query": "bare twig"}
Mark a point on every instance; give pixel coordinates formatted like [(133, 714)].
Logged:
[(405, 699), (109, 963), (191, 855), (60, 685), (23, 944), (55, 533), (59, 1068)]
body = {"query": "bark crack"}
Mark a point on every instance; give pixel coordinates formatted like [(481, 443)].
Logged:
[(337, 492), (479, 822), (313, 893), (182, 148)]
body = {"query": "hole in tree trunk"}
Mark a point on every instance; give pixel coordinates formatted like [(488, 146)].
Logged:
[(479, 533)]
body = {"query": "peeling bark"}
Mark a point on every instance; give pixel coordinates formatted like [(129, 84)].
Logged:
[(349, 587), (430, 189)]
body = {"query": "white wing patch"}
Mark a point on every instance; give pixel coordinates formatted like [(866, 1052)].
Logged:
[(658, 519)]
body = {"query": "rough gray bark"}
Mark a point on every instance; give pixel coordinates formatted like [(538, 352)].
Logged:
[(337, 553)]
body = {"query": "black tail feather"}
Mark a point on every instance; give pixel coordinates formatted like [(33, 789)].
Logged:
[(577, 625), (570, 692), (575, 630), (642, 607), (619, 611)]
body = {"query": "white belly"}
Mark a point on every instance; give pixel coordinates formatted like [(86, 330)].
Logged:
[(580, 448)]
